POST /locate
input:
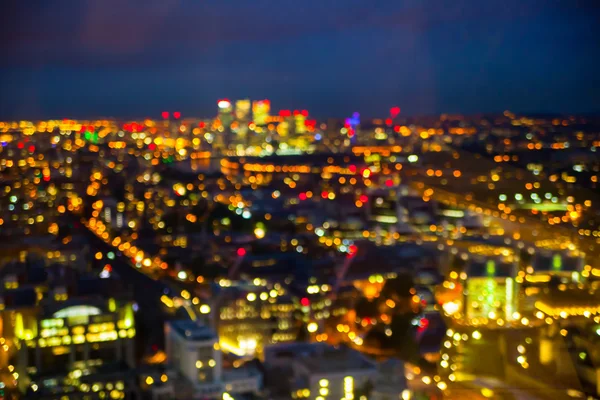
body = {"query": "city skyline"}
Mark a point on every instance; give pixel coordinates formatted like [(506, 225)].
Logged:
[(117, 59)]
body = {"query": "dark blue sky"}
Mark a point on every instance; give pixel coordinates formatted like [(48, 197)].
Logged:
[(130, 58)]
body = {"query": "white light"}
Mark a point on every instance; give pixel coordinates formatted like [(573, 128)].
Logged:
[(224, 104), (450, 307)]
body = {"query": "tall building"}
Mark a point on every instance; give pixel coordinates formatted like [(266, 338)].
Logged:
[(242, 119), (242, 110), (320, 371), (66, 331), (253, 317), (260, 111), (193, 351), (225, 112)]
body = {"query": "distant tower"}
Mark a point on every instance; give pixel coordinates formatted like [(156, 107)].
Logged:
[(260, 111), (225, 115), (225, 112), (352, 126), (242, 118)]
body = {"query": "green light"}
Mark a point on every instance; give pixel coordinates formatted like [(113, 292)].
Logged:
[(128, 318), (556, 262), (490, 268)]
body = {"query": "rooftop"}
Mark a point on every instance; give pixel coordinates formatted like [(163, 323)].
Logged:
[(322, 358), (190, 330)]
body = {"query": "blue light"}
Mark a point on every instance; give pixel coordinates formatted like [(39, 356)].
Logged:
[(318, 136)]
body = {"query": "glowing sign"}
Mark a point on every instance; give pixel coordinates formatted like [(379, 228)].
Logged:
[(77, 311)]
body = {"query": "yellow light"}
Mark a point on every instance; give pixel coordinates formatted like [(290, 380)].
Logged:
[(489, 393), (259, 233), (149, 380), (574, 215), (476, 335), (251, 296), (312, 327), (323, 383)]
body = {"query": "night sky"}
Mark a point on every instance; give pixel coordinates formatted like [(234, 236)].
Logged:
[(127, 58)]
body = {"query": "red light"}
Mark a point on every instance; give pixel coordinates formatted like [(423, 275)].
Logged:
[(241, 252), (20, 145), (305, 113), (285, 113), (267, 101), (388, 121), (389, 183), (176, 114), (91, 128), (108, 268), (296, 112), (152, 146), (324, 194), (394, 111), (165, 114), (305, 302), (352, 249), (396, 129), (46, 178), (423, 323), (302, 196), (201, 124), (31, 148), (352, 168), (364, 198), (350, 132), (310, 122)]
